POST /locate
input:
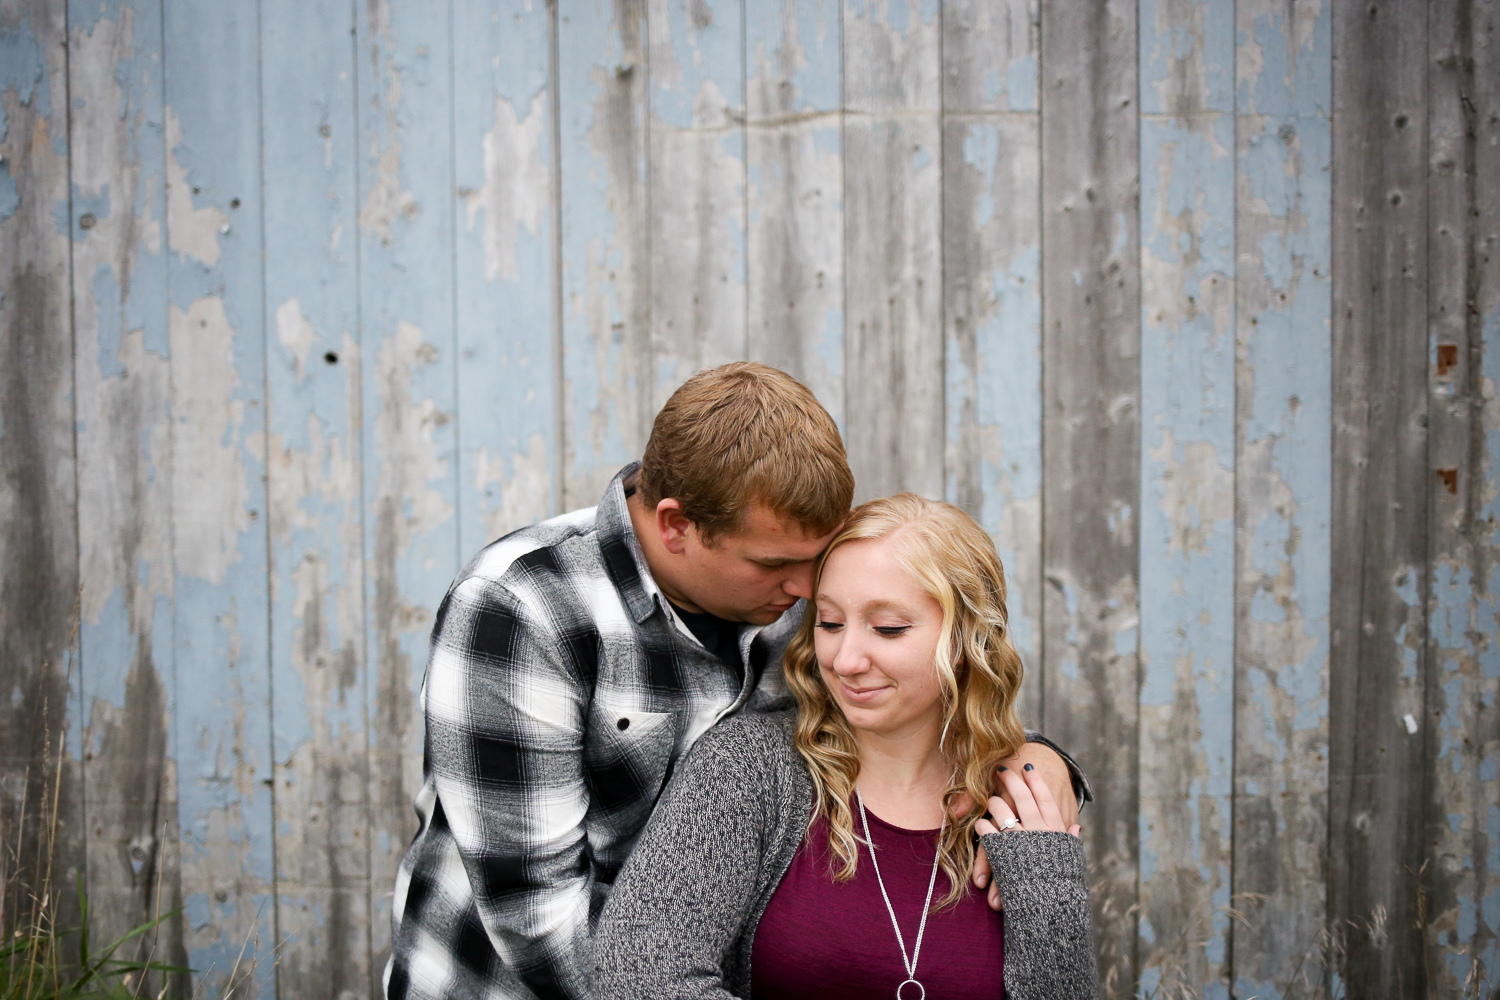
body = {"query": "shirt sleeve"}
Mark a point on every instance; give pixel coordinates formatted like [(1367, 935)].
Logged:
[(505, 713), (1049, 937)]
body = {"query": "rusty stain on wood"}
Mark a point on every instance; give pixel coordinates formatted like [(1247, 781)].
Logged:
[(1447, 359)]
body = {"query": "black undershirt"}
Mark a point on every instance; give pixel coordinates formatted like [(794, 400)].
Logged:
[(719, 636)]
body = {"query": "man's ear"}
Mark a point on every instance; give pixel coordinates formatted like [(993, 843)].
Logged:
[(673, 525)]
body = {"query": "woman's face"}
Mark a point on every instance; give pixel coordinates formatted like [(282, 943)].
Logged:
[(877, 633)]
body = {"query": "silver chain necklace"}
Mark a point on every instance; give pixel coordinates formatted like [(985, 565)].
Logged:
[(916, 950)]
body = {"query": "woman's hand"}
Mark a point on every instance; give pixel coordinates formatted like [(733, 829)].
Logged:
[(1036, 809)]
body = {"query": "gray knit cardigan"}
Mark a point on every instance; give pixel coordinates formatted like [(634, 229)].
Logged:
[(680, 921)]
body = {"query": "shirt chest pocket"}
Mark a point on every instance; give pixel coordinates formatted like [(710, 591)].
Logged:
[(627, 758)]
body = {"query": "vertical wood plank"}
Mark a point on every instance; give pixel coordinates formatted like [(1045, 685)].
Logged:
[(1091, 437), (794, 200), (1462, 726), (503, 140), (892, 246), (1282, 494), (1187, 492), (1378, 658), (697, 188), (607, 371), (38, 485), (220, 704), (992, 300), (120, 168), (310, 137), (406, 280)]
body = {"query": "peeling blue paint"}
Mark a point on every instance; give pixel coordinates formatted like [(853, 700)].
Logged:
[(1020, 84), (9, 199), (23, 68)]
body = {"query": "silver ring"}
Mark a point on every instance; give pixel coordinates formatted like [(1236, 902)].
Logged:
[(1010, 824)]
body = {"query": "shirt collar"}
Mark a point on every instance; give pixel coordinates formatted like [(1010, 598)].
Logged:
[(623, 558)]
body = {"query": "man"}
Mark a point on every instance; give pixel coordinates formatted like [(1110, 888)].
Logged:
[(573, 662)]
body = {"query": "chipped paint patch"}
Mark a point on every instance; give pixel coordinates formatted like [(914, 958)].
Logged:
[(296, 333), (207, 425), (524, 484), (517, 184), (1196, 493), (387, 199), (194, 232)]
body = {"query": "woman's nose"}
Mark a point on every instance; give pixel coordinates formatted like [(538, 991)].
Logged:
[(850, 658)]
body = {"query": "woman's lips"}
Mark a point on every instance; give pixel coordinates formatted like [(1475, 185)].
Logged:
[(861, 694)]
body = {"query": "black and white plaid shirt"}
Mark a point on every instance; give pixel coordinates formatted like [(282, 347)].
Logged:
[(560, 690)]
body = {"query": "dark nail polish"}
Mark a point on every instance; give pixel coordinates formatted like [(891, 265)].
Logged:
[(1030, 768), (1004, 768)]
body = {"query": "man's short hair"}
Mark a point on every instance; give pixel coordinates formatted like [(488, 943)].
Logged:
[(744, 432)]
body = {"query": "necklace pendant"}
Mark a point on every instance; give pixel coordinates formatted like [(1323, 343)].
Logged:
[(920, 996)]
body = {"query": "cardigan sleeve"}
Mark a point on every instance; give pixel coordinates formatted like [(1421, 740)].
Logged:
[(1049, 939), (682, 901)]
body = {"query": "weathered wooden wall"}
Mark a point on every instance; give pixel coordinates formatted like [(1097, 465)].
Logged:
[(1194, 303)]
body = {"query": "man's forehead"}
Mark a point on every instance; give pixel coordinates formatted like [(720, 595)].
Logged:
[(770, 534)]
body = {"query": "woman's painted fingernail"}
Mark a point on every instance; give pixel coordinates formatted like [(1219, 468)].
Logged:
[(1030, 768), (1004, 768)]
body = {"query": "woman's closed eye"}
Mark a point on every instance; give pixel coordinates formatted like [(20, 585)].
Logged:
[(891, 631), (830, 626)]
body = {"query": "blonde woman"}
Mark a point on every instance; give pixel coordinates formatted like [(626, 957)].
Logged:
[(756, 876)]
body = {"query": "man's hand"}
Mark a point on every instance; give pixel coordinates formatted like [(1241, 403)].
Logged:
[(1055, 773)]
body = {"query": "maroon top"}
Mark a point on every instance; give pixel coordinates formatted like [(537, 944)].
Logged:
[(833, 941)]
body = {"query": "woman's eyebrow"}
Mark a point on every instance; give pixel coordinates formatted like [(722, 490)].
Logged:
[(871, 607)]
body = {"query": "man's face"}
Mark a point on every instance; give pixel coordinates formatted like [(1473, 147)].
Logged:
[(749, 575)]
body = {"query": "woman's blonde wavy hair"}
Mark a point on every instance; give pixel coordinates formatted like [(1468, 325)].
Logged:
[(953, 560)]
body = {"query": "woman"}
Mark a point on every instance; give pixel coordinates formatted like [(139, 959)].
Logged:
[(755, 877)]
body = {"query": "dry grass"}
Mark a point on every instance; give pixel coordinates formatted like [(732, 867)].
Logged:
[(41, 959)]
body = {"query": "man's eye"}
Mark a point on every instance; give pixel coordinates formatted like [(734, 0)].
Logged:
[(830, 626), (891, 631)]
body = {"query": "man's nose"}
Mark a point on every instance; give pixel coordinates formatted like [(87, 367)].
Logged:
[(798, 582)]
